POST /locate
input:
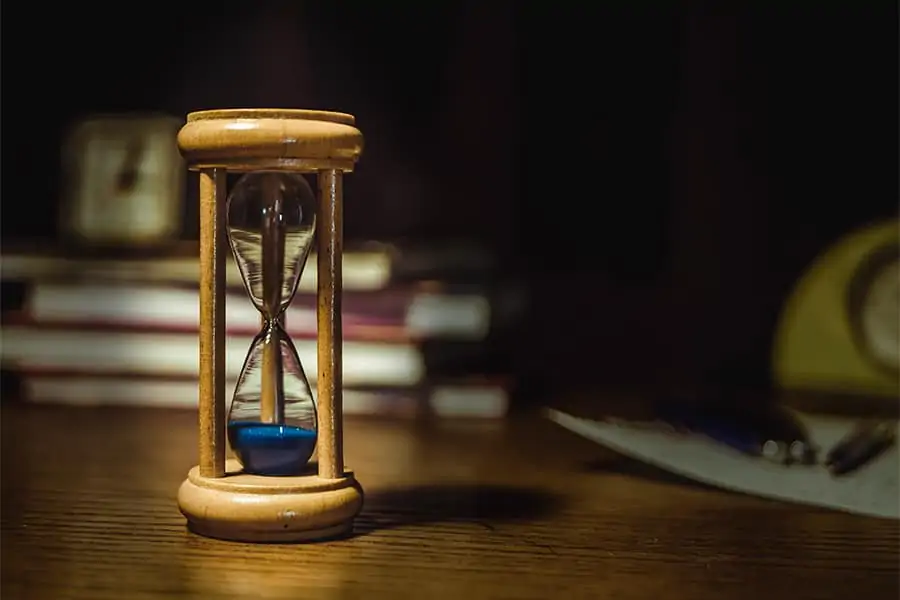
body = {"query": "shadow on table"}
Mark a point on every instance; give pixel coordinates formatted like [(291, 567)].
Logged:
[(473, 504), (621, 465)]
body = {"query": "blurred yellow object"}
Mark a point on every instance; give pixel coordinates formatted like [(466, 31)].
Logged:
[(838, 332)]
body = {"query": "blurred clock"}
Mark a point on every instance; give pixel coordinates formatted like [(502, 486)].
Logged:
[(874, 307), (839, 331), (123, 180)]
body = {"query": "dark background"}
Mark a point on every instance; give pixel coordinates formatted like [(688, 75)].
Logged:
[(659, 177)]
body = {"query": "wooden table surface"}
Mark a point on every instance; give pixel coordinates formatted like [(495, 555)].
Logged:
[(520, 509)]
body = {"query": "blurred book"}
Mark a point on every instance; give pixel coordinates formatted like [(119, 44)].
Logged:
[(365, 266), (83, 351), (464, 399), (396, 313), (75, 323)]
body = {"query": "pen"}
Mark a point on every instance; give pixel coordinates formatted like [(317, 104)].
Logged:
[(771, 433), (722, 428), (860, 446), (782, 425)]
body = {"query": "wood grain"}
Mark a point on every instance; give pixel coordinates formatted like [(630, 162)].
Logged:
[(213, 252), (329, 236), (517, 509), (272, 139)]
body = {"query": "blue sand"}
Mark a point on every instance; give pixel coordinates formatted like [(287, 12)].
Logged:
[(271, 449)]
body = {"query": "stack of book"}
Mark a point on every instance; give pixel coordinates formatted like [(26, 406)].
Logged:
[(98, 329)]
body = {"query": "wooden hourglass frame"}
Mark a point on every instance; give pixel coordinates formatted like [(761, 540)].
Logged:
[(218, 498)]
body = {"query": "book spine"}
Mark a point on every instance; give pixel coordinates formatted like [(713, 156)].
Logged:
[(485, 400), (413, 314)]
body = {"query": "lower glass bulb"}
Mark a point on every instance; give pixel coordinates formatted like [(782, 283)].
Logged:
[(272, 421)]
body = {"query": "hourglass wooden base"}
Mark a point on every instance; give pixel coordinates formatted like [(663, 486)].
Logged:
[(251, 508)]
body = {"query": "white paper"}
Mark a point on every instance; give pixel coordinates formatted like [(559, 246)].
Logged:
[(872, 490)]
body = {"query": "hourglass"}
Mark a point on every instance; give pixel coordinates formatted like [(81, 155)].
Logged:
[(273, 490)]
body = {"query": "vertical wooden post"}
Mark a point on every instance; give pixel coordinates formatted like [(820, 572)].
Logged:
[(329, 235), (213, 245)]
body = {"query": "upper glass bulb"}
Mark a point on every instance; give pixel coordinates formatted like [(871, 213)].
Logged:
[(271, 225)]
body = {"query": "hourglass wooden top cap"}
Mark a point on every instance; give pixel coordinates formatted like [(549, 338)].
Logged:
[(266, 138)]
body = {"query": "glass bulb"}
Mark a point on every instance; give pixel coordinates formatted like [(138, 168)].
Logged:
[(272, 425), (280, 209)]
